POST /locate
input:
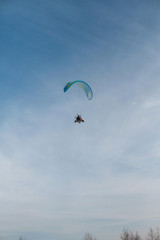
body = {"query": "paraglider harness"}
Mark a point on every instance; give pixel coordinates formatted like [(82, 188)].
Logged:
[(78, 119)]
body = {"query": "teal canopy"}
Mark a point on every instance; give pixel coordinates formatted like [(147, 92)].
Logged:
[(85, 87)]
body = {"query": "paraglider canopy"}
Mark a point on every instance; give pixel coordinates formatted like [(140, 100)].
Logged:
[(85, 87)]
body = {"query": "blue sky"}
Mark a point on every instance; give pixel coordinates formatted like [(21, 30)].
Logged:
[(58, 179)]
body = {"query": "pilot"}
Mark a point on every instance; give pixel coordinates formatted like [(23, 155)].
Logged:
[(79, 119)]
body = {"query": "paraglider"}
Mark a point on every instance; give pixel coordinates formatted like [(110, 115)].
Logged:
[(78, 119), (86, 88)]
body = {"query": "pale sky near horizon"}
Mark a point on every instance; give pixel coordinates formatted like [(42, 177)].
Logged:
[(58, 179)]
